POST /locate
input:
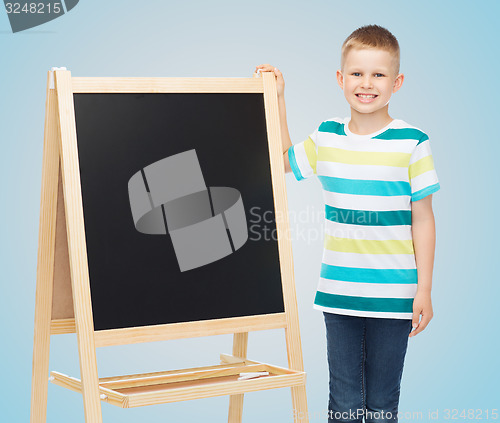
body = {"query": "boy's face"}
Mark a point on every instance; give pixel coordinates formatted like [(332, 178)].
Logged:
[(371, 72)]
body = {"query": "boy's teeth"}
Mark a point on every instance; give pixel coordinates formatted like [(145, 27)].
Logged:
[(366, 96)]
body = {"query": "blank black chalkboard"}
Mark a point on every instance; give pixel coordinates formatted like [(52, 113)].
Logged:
[(134, 277)]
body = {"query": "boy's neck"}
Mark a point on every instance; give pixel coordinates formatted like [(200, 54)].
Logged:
[(368, 123)]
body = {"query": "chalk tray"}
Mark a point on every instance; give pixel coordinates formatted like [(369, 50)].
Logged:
[(186, 384)]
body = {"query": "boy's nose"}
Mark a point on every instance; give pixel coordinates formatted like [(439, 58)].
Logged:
[(367, 82)]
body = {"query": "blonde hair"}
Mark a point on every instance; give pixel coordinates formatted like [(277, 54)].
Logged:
[(371, 36)]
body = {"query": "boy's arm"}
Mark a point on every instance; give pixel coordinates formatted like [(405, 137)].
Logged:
[(424, 241), (285, 135)]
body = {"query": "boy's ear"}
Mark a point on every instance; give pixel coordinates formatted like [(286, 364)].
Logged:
[(398, 82), (340, 79)]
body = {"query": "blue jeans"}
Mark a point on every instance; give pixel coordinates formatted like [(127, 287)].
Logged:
[(365, 358)]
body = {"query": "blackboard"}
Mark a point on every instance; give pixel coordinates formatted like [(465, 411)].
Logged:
[(135, 170), (135, 278)]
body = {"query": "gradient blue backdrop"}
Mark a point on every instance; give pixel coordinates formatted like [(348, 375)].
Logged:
[(450, 59)]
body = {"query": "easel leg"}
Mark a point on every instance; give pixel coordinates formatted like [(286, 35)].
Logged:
[(240, 343), (41, 351), (294, 351), (77, 249), (45, 269), (299, 403)]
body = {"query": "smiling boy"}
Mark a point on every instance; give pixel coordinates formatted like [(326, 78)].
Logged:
[(378, 178)]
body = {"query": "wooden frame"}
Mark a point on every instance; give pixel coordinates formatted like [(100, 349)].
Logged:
[(63, 301)]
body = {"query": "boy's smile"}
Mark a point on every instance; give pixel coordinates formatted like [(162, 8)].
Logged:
[(369, 79), (366, 98)]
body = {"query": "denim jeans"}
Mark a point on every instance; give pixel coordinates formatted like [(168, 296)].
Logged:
[(365, 359)]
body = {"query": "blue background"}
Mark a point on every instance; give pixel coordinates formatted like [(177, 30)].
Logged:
[(449, 55)]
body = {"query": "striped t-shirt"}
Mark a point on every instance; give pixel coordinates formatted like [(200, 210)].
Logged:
[(369, 181)]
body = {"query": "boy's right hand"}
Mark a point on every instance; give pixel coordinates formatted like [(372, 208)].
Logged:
[(280, 82)]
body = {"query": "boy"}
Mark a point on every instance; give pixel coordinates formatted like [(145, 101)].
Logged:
[(378, 178)]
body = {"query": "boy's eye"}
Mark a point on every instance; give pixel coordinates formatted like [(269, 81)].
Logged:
[(378, 75)]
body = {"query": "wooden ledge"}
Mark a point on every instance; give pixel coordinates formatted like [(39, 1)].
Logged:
[(187, 384)]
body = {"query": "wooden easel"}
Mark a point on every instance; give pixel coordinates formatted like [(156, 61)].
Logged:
[(63, 300)]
